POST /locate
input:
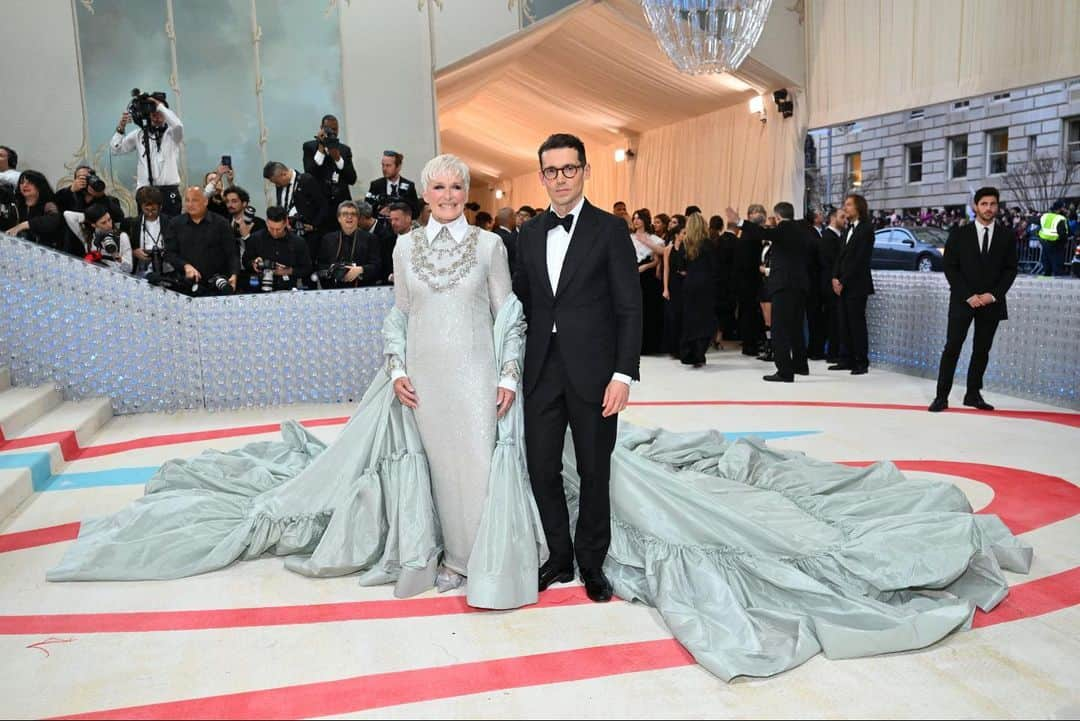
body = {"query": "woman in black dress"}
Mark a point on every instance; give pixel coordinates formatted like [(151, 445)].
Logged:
[(674, 273), (649, 249), (698, 293), (724, 245)]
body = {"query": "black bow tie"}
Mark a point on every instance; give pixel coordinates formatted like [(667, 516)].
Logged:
[(554, 221)]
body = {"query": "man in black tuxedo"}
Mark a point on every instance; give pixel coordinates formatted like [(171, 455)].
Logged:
[(828, 249), (816, 324), (506, 228), (578, 281), (303, 200), (329, 161), (980, 265), (853, 284), (349, 257), (787, 282), (391, 187)]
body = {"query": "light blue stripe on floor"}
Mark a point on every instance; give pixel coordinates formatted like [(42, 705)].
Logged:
[(95, 479), (39, 463)]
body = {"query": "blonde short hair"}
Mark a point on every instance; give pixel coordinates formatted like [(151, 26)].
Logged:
[(442, 165)]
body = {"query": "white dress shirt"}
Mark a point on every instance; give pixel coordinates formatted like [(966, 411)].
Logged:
[(151, 233), (558, 242), (458, 228), (11, 177), (850, 231), (165, 159), (979, 229)]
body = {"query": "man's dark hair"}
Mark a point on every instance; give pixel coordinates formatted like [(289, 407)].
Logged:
[(860, 206), (691, 209), (988, 190), (327, 117), (473, 206), (398, 157), (276, 213), (12, 157), (531, 211), (272, 167), (716, 225), (784, 210), (562, 140), (618, 203), (403, 207), (483, 218), (148, 194), (830, 213), (239, 192)]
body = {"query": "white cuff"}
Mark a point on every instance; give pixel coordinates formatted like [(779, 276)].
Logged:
[(319, 157), (398, 373), (509, 384), (340, 163), (623, 378)]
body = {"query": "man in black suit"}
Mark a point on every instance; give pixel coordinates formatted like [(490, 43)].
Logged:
[(853, 284), (147, 229), (787, 282), (746, 275), (980, 265), (349, 257), (578, 281), (506, 228), (816, 324), (303, 200), (329, 161), (828, 249), (391, 187)]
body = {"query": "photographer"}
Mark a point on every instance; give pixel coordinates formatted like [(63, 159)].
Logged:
[(147, 231), (35, 214), (349, 257), (330, 162), (9, 161), (304, 204), (157, 140), (103, 243), (89, 189), (244, 224), (384, 237), (392, 187), (214, 184), (201, 245), (278, 256)]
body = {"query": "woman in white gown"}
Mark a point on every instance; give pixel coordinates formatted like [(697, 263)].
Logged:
[(755, 557)]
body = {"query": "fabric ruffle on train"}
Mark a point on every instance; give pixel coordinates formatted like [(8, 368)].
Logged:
[(757, 559)]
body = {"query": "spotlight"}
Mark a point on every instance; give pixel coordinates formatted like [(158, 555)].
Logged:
[(784, 105), (498, 194), (757, 104), (622, 154)]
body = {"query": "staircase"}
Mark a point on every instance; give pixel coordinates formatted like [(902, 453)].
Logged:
[(40, 434)]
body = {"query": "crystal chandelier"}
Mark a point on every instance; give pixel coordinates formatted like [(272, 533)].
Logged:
[(707, 36)]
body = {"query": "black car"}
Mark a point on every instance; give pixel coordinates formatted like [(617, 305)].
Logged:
[(919, 249)]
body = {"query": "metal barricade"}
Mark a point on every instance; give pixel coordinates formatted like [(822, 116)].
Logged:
[(1029, 252)]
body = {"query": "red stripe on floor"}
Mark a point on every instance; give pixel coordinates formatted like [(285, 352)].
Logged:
[(39, 537), (362, 693), (144, 621), (1035, 598)]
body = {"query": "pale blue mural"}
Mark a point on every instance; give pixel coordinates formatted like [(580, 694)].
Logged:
[(124, 45)]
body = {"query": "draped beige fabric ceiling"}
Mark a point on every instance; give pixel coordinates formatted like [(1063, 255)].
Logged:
[(594, 70), (871, 57)]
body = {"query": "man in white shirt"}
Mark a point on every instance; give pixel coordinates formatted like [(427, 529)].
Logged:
[(9, 160), (162, 135), (577, 279)]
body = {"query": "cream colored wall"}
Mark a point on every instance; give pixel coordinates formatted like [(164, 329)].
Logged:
[(871, 57), (42, 115), (462, 27)]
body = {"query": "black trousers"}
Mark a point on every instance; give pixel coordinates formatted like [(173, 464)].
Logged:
[(751, 326), (961, 316), (549, 407), (789, 345), (852, 311), (834, 338), (817, 323)]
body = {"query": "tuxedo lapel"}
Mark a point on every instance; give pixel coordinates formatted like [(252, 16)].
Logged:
[(541, 242), (581, 242)]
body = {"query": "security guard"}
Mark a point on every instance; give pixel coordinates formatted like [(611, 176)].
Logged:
[(1054, 234)]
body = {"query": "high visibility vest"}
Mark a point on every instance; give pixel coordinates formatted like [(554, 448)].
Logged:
[(1049, 223)]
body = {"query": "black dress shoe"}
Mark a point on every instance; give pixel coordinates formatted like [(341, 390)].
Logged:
[(975, 400), (551, 573), (777, 378), (840, 367), (938, 405), (860, 371), (597, 587), (802, 372)]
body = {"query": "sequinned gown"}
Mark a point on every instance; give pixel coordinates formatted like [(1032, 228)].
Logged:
[(451, 281)]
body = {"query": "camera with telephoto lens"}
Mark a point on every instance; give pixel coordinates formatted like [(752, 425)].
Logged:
[(95, 183), (141, 105), (157, 261), (265, 270), (220, 283), (107, 241), (336, 273), (329, 138)]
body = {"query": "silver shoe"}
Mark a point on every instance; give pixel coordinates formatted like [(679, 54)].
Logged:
[(448, 580)]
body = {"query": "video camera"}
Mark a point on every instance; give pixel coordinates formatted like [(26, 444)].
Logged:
[(329, 138), (142, 104)]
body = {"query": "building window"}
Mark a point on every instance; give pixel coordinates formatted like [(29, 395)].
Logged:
[(1072, 140), (916, 114), (1001, 97), (961, 104), (958, 157), (853, 169), (914, 163), (997, 152), (1033, 145)]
